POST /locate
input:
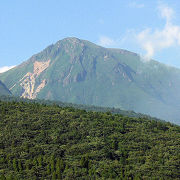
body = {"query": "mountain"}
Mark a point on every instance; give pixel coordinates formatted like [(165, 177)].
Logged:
[(78, 71), (4, 90)]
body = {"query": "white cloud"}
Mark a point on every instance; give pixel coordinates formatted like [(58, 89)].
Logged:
[(136, 5), (106, 41), (5, 68), (150, 40), (166, 12), (155, 40)]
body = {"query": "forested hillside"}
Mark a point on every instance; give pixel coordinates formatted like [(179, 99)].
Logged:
[(50, 142)]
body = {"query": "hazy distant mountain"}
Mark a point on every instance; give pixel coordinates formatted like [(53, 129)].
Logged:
[(4, 90), (78, 71)]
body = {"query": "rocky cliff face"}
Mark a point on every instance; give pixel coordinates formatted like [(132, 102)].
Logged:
[(78, 71), (28, 82)]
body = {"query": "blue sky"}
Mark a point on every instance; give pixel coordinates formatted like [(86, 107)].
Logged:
[(150, 28)]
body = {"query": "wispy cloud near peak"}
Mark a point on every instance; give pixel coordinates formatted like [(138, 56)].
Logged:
[(155, 40), (166, 12), (5, 68), (106, 41)]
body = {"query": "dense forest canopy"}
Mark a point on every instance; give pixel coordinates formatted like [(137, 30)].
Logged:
[(39, 141)]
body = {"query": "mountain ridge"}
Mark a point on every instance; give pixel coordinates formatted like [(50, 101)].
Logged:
[(78, 71), (88, 108)]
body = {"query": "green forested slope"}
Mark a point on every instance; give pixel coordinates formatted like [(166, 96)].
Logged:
[(50, 142)]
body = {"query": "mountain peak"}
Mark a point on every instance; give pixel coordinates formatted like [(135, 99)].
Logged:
[(72, 40), (76, 41)]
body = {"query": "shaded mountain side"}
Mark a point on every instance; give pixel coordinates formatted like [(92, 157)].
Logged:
[(78, 106), (4, 90), (78, 71)]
